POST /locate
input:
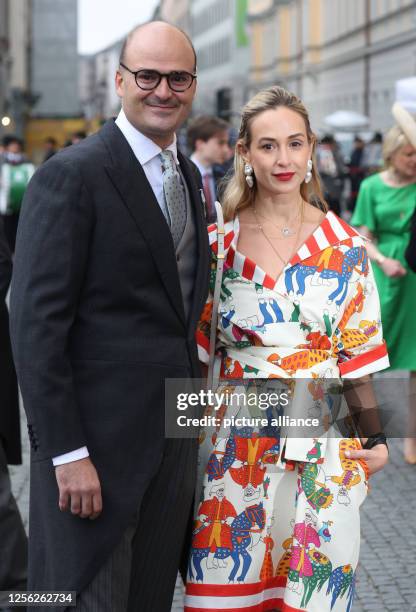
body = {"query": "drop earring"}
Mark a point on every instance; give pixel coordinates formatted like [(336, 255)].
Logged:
[(308, 175), (248, 171)]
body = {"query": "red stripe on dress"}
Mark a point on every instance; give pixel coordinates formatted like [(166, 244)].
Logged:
[(228, 239), (234, 590), (295, 259), (364, 359), (248, 268), (327, 229), (312, 245), (286, 608), (202, 340), (346, 227), (268, 282), (230, 257), (264, 606)]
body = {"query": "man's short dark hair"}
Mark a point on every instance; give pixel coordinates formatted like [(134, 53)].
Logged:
[(12, 139), (328, 139), (130, 35), (203, 128)]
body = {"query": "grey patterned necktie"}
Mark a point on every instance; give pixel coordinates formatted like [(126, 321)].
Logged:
[(174, 196)]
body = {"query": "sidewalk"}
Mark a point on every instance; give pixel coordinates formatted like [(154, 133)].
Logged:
[(388, 547)]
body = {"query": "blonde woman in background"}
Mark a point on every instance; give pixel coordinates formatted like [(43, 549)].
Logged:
[(385, 205), (277, 524)]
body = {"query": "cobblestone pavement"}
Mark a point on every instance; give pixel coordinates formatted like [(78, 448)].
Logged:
[(388, 548)]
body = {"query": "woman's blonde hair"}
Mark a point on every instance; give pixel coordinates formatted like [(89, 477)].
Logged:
[(394, 140), (237, 194)]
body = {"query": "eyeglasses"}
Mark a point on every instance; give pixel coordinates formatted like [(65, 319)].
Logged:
[(150, 79)]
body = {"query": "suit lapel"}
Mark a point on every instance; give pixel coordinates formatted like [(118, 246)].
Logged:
[(203, 260), (129, 179)]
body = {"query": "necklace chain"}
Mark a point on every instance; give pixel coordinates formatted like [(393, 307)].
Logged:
[(285, 230), (260, 227)]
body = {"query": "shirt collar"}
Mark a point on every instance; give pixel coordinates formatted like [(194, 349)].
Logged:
[(203, 169), (143, 147)]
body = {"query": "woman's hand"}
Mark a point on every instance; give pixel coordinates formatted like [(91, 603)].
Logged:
[(393, 267), (375, 458)]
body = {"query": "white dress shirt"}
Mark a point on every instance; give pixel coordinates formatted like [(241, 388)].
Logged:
[(147, 154)]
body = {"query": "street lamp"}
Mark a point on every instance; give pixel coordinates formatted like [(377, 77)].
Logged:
[(5, 121)]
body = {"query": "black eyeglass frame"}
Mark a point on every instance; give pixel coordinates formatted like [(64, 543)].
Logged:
[(161, 75)]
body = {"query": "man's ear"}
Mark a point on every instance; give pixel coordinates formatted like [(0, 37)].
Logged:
[(119, 82)]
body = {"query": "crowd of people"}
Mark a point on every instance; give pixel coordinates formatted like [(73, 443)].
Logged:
[(127, 274)]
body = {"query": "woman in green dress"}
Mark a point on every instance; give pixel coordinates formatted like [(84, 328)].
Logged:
[(385, 205)]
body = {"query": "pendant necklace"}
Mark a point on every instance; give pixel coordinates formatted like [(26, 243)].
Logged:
[(286, 231), (260, 227)]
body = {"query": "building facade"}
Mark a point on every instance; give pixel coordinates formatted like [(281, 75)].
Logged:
[(176, 12), (16, 98), (97, 91), (54, 58), (218, 32), (335, 54)]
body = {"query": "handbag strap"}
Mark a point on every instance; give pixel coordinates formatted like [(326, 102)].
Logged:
[(217, 293)]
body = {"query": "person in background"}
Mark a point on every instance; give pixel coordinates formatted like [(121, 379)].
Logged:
[(208, 141), (51, 147), (332, 171), (16, 172), (356, 171), (385, 205), (75, 138), (13, 540), (373, 155)]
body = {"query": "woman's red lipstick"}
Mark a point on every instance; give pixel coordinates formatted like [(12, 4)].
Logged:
[(284, 176)]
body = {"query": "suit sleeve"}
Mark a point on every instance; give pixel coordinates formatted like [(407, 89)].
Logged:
[(5, 265), (50, 264)]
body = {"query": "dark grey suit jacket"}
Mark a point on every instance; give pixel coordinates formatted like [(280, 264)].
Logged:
[(98, 323), (9, 398)]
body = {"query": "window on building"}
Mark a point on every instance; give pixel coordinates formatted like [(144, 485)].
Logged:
[(224, 103)]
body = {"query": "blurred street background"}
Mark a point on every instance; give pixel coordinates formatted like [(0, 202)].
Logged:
[(58, 59)]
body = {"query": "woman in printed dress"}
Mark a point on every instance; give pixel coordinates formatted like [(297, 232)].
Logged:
[(298, 305)]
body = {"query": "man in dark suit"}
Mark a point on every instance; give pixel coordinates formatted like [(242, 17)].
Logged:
[(13, 547), (111, 275)]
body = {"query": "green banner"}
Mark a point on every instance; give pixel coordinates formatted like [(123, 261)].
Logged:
[(241, 23)]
